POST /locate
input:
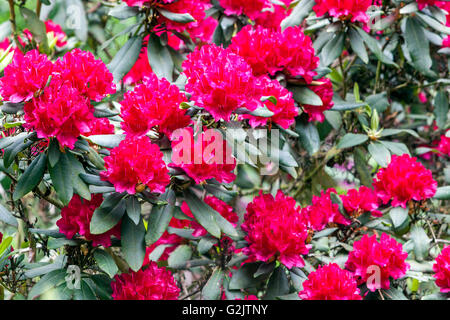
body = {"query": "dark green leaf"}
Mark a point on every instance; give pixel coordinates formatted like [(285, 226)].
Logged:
[(213, 288), (160, 217), (380, 153), (133, 244), (159, 58), (125, 58), (106, 262), (31, 177), (61, 174), (351, 140)]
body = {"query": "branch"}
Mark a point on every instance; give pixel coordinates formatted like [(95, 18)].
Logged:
[(12, 19)]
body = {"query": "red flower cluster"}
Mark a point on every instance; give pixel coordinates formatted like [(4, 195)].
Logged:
[(210, 157), (354, 10), (284, 110), (442, 270), (269, 51), (59, 112), (325, 92), (100, 126), (60, 108), (76, 218), (221, 207), (374, 262), (153, 283), (356, 202), (153, 104), (25, 76), (250, 8), (220, 81), (88, 75), (322, 212), (275, 230), (444, 145), (330, 282), (273, 17), (403, 180), (135, 162)]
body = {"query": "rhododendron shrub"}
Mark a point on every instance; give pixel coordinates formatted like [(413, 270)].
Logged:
[(224, 150)]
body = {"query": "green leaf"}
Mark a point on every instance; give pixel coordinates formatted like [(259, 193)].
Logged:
[(441, 108), (123, 12), (125, 58), (85, 292), (442, 193), (47, 282), (205, 244), (306, 96), (357, 44), (61, 175), (221, 193), (380, 153), (179, 257), (213, 288), (332, 50), (421, 242), (392, 132), (378, 101), (108, 214), (396, 148), (265, 269), (5, 244), (78, 184), (398, 216), (262, 112), (159, 58), (361, 167), (351, 140), (374, 47), (107, 140), (278, 284), (418, 45), (309, 136), (206, 216), (177, 17), (31, 177), (18, 145), (106, 262), (243, 277), (53, 153), (433, 23), (36, 27), (133, 244), (133, 209), (160, 217), (300, 12)]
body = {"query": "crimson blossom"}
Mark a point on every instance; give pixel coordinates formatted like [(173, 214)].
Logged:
[(275, 230), (444, 145), (269, 51), (441, 269), (76, 218), (330, 282), (356, 202), (220, 206), (61, 112), (323, 212), (153, 283), (88, 75), (250, 8), (354, 10), (24, 76), (220, 81), (209, 157), (134, 163), (284, 109), (375, 262), (273, 17), (153, 104), (403, 180)]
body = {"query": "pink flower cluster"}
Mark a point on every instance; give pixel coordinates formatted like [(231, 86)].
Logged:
[(323, 212), (269, 51), (330, 282), (153, 283), (441, 269), (374, 262), (76, 218), (354, 10), (57, 95), (275, 230), (153, 104), (136, 162), (403, 180), (207, 157)]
